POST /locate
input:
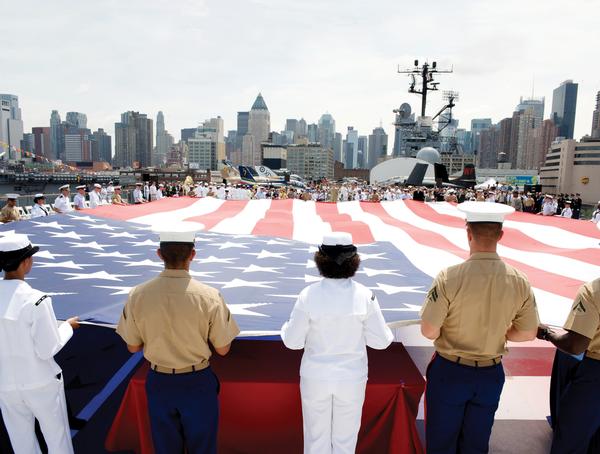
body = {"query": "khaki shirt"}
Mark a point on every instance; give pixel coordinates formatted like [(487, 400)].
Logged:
[(175, 317), (116, 198), (584, 318), (8, 214), (475, 303)]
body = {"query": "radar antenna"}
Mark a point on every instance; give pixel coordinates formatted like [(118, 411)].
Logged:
[(426, 72)]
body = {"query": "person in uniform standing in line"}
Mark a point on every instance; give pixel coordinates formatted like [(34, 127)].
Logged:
[(38, 210), (159, 191), (110, 190), (137, 194), (579, 416), (334, 321), (79, 199), (175, 320), (96, 196), (116, 197), (10, 212), (31, 385), (62, 203), (470, 312)]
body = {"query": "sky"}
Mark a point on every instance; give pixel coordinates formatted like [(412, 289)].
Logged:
[(196, 59)]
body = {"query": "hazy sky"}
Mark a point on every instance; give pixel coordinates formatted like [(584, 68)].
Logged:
[(195, 59)]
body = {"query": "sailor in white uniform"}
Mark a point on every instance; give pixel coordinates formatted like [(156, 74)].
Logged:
[(137, 194), (110, 190), (79, 199), (159, 191), (31, 385), (334, 321), (95, 196), (62, 202), (38, 209)]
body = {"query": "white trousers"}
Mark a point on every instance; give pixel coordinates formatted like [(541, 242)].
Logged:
[(331, 411), (46, 404)]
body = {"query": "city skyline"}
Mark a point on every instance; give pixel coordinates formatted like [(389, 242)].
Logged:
[(346, 66)]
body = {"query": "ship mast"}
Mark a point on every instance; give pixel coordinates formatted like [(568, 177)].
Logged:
[(426, 73)]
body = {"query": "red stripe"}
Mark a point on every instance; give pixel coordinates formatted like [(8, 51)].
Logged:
[(228, 209), (512, 238), (125, 213), (550, 282), (571, 225), (278, 220), (529, 361), (329, 212)]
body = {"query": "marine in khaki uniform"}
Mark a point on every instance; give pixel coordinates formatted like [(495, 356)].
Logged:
[(470, 312), (175, 320), (579, 416), (116, 196), (10, 212)]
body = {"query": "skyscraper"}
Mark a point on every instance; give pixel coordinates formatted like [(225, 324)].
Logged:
[(564, 105), (133, 140), (312, 133), (11, 125), (378, 143), (42, 143), (596, 119), (78, 145), (326, 130), (164, 141), (363, 150), (536, 105), (259, 126), (338, 143), (101, 146), (302, 128), (57, 136), (77, 120), (478, 125), (351, 148)]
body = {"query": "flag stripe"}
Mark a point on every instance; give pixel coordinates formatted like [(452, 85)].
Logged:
[(278, 221), (340, 222), (125, 213), (228, 209), (244, 221)]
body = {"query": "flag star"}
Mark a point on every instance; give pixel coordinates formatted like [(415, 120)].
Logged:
[(242, 309), (408, 308), (364, 256), (309, 249), (285, 296), (76, 217), (121, 235), (229, 245), (8, 233), (307, 278), (68, 264), (213, 259), (119, 290), (59, 293), (242, 236), (72, 235), (45, 254), (236, 283), (102, 227), (144, 243), (370, 272), (50, 225), (204, 240), (308, 264), (257, 269), (268, 255), (146, 262), (392, 289), (202, 273), (116, 254), (91, 245), (276, 242), (103, 275)]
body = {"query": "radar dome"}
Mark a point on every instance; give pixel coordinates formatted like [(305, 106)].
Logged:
[(430, 155)]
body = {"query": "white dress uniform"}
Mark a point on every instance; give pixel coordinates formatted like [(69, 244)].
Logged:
[(95, 199), (152, 192), (79, 201), (61, 203), (38, 211), (334, 320), (159, 193), (31, 385), (137, 195)]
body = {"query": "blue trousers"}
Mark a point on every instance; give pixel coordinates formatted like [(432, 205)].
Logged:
[(461, 403), (578, 418), (184, 412)]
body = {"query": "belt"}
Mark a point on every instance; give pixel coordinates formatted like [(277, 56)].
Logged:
[(471, 362), (591, 355), (183, 370)]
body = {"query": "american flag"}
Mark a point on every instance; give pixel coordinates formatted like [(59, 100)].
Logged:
[(258, 253)]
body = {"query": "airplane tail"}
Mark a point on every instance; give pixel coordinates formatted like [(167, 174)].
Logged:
[(468, 178), (264, 171), (229, 171), (246, 174), (416, 176), (441, 173)]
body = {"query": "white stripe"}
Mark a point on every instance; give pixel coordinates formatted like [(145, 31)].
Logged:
[(547, 234), (565, 266), (201, 207), (244, 222), (308, 225)]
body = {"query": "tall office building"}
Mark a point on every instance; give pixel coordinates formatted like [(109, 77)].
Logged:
[(596, 119), (57, 135), (42, 142), (101, 146), (202, 151), (164, 141), (363, 150), (536, 105), (326, 130), (77, 120), (538, 144), (302, 128), (378, 143), (259, 126), (478, 125), (310, 161), (291, 125), (28, 142), (11, 125), (351, 148), (338, 144), (312, 133), (564, 105), (78, 145), (242, 128), (133, 140)]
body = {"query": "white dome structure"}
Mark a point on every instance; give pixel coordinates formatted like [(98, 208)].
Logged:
[(398, 169), (430, 155)]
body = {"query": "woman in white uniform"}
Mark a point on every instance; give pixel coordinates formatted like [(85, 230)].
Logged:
[(334, 320), (38, 210)]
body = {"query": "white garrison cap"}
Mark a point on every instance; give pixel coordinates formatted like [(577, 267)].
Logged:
[(39, 196), (12, 196), (139, 184), (485, 211), (337, 239), (96, 185), (117, 187), (82, 186), (180, 232), (64, 186), (14, 242)]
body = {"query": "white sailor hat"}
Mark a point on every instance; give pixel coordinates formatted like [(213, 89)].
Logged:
[(81, 186), (97, 185), (485, 211), (15, 248), (337, 239), (117, 187), (12, 196), (139, 184), (338, 246), (63, 187), (38, 197), (180, 232)]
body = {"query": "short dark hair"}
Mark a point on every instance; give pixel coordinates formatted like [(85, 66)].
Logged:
[(486, 231), (329, 268), (175, 254)]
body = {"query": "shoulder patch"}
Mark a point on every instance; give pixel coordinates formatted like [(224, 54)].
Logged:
[(433, 294), (579, 307), (37, 303)]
